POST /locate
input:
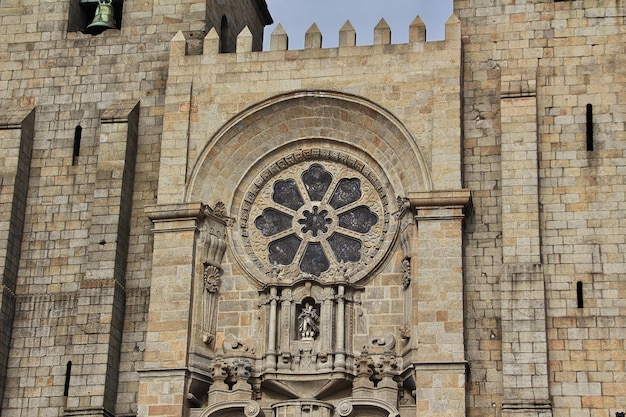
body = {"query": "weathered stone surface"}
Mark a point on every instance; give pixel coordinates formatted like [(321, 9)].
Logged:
[(190, 226)]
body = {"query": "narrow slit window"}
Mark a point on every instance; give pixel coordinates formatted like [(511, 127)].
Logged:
[(589, 127), (78, 132), (579, 295), (224, 36), (68, 374)]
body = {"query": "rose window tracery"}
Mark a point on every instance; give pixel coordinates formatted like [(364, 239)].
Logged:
[(313, 215), (322, 219)]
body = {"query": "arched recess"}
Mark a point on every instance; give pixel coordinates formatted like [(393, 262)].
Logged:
[(304, 119), (354, 136)]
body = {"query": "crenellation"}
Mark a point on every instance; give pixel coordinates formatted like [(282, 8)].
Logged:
[(244, 41), (279, 39), (382, 33), (313, 38)]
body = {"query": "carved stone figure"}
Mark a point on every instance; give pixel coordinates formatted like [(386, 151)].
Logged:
[(308, 321)]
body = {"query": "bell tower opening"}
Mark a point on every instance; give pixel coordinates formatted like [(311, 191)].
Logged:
[(94, 16), (229, 18)]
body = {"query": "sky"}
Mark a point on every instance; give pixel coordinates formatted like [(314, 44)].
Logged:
[(297, 16)]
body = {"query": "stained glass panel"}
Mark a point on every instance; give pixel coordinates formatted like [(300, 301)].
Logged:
[(317, 181), (359, 219), (345, 248), (286, 194), (282, 251), (273, 221), (348, 191), (314, 260)]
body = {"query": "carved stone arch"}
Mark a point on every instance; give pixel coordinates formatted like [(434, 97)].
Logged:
[(355, 407), (314, 291), (231, 408), (355, 137), (287, 122)]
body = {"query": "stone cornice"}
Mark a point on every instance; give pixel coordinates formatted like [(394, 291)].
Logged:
[(181, 211), (442, 198)]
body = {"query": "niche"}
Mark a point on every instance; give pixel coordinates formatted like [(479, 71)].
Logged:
[(307, 324), (83, 12)]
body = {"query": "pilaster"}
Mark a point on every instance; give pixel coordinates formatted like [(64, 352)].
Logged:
[(175, 138), (524, 343), (167, 379), (101, 296), (16, 142), (522, 282), (437, 350), (520, 175)]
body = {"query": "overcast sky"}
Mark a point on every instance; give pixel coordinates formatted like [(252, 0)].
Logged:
[(297, 16)]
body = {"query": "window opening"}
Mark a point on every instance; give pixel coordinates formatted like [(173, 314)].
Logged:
[(589, 127), (316, 220), (224, 32), (78, 132), (68, 374), (579, 294)]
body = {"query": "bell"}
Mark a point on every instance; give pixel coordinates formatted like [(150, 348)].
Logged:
[(103, 19)]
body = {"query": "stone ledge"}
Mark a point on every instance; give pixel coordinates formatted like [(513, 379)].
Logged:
[(119, 111), (443, 198), (158, 212), (13, 118), (87, 412)]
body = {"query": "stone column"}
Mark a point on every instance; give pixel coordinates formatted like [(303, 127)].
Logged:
[(166, 372), (284, 362), (522, 286), (97, 336), (16, 143), (340, 348), (270, 358), (326, 329), (437, 350)]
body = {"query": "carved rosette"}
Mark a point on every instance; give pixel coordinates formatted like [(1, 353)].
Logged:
[(326, 217)]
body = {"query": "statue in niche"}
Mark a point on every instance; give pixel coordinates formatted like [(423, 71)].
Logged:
[(308, 322)]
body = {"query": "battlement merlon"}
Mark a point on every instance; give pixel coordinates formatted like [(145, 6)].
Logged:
[(279, 40)]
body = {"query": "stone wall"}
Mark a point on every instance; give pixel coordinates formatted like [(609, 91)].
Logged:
[(232, 121), (111, 146), (70, 78), (563, 55)]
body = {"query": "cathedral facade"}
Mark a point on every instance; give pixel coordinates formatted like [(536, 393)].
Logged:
[(192, 226)]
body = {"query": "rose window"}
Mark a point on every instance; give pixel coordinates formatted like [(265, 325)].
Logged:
[(314, 216)]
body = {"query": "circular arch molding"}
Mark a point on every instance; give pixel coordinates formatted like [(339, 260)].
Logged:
[(233, 407), (300, 120), (354, 407)]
